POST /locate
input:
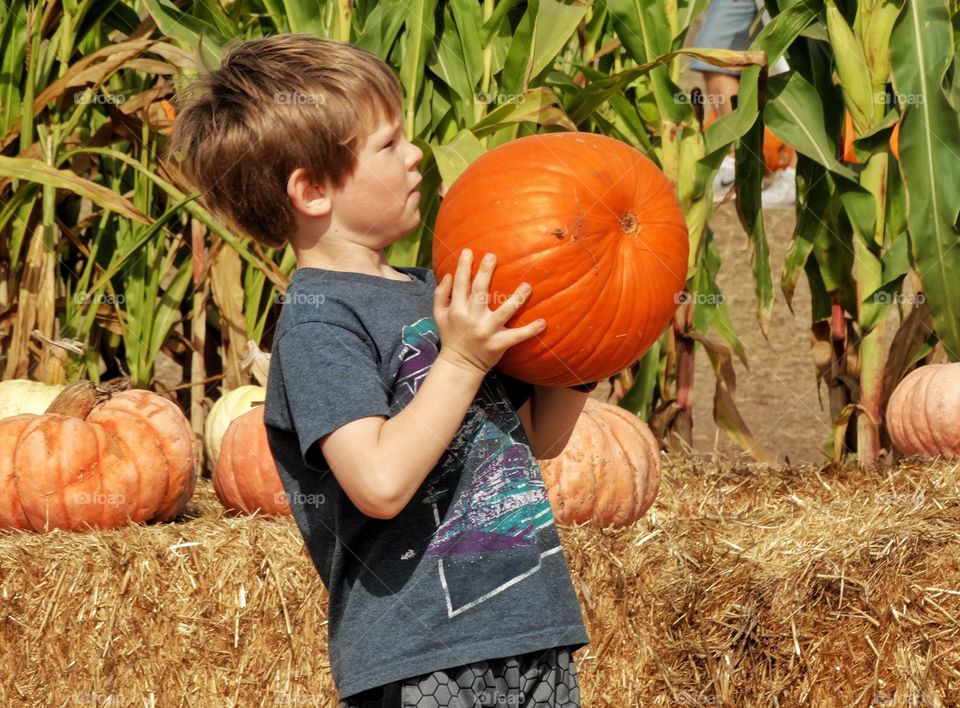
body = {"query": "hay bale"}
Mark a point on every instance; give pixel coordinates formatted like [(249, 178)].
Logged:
[(750, 585), (744, 585)]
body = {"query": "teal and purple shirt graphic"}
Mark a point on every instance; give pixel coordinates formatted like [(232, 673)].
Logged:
[(499, 503)]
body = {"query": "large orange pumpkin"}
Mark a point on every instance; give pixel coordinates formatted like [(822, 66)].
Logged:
[(594, 226), (609, 472), (245, 478), (96, 460), (923, 413)]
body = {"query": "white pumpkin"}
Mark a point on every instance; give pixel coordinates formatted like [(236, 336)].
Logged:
[(230, 406), (21, 396)]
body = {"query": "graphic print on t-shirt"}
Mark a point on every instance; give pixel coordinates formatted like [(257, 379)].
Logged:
[(503, 506)]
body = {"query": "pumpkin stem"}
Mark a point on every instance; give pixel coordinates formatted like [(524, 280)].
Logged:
[(78, 399), (629, 222), (54, 357), (258, 362)]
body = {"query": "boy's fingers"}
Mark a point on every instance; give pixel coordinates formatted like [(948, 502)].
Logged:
[(441, 294), (461, 281), (481, 284), (513, 303), (522, 334)]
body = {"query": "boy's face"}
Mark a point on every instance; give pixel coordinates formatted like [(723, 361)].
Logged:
[(380, 203)]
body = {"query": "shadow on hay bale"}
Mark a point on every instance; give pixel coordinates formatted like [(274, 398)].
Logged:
[(744, 585)]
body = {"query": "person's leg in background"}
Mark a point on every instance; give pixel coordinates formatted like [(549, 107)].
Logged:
[(729, 24), (720, 90)]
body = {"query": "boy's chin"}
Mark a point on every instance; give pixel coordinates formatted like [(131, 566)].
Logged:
[(402, 234)]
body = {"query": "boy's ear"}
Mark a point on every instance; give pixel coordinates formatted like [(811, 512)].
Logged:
[(308, 198)]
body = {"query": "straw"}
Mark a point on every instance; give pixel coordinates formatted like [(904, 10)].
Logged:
[(745, 585)]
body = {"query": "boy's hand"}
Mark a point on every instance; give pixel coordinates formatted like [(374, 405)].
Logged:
[(471, 334)]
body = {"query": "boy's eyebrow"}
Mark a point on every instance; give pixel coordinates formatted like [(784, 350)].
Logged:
[(387, 132)]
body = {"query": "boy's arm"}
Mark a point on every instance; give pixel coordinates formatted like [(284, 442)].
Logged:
[(379, 462), (548, 418)]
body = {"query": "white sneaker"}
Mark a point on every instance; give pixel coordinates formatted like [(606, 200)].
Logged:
[(782, 191), (725, 179)]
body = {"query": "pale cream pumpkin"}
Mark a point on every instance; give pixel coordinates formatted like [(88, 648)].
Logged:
[(18, 396), (235, 403), (609, 472), (228, 408)]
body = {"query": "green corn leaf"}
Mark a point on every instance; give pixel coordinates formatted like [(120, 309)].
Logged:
[(416, 40), (493, 27), (167, 313), (877, 27), (858, 94), (274, 10), (598, 91), (192, 207), (631, 121), (454, 157), (382, 27), (148, 236), (783, 30), (896, 265), (106, 15), (555, 24), (469, 21), (639, 398), (643, 28), (447, 62), (749, 169), (306, 16), (538, 105), (544, 30), (13, 40), (794, 114), (42, 173), (723, 324), (812, 206), (734, 125), (189, 29), (710, 306)]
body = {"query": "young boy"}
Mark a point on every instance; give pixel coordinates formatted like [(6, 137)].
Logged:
[(409, 464)]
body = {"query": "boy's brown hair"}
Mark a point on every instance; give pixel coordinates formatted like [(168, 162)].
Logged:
[(274, 105)]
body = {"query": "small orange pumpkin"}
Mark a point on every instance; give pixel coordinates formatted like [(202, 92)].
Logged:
[(776, 153), (96, 459), (850, 156), (923, 413), (245, 478), (171, 114), (609, 472)]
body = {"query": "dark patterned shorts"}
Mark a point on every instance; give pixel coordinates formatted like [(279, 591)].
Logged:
[(540, 679)]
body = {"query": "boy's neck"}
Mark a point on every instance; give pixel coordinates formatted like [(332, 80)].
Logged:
[(350, 258)]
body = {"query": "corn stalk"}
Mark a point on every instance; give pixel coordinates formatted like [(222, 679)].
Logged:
[(854, 238)]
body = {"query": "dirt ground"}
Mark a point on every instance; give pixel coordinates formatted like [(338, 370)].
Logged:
[(777, 396)]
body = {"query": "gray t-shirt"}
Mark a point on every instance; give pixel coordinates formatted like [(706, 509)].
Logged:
[(472, 568)]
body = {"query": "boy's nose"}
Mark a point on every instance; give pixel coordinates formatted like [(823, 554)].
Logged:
[(416, 154)]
